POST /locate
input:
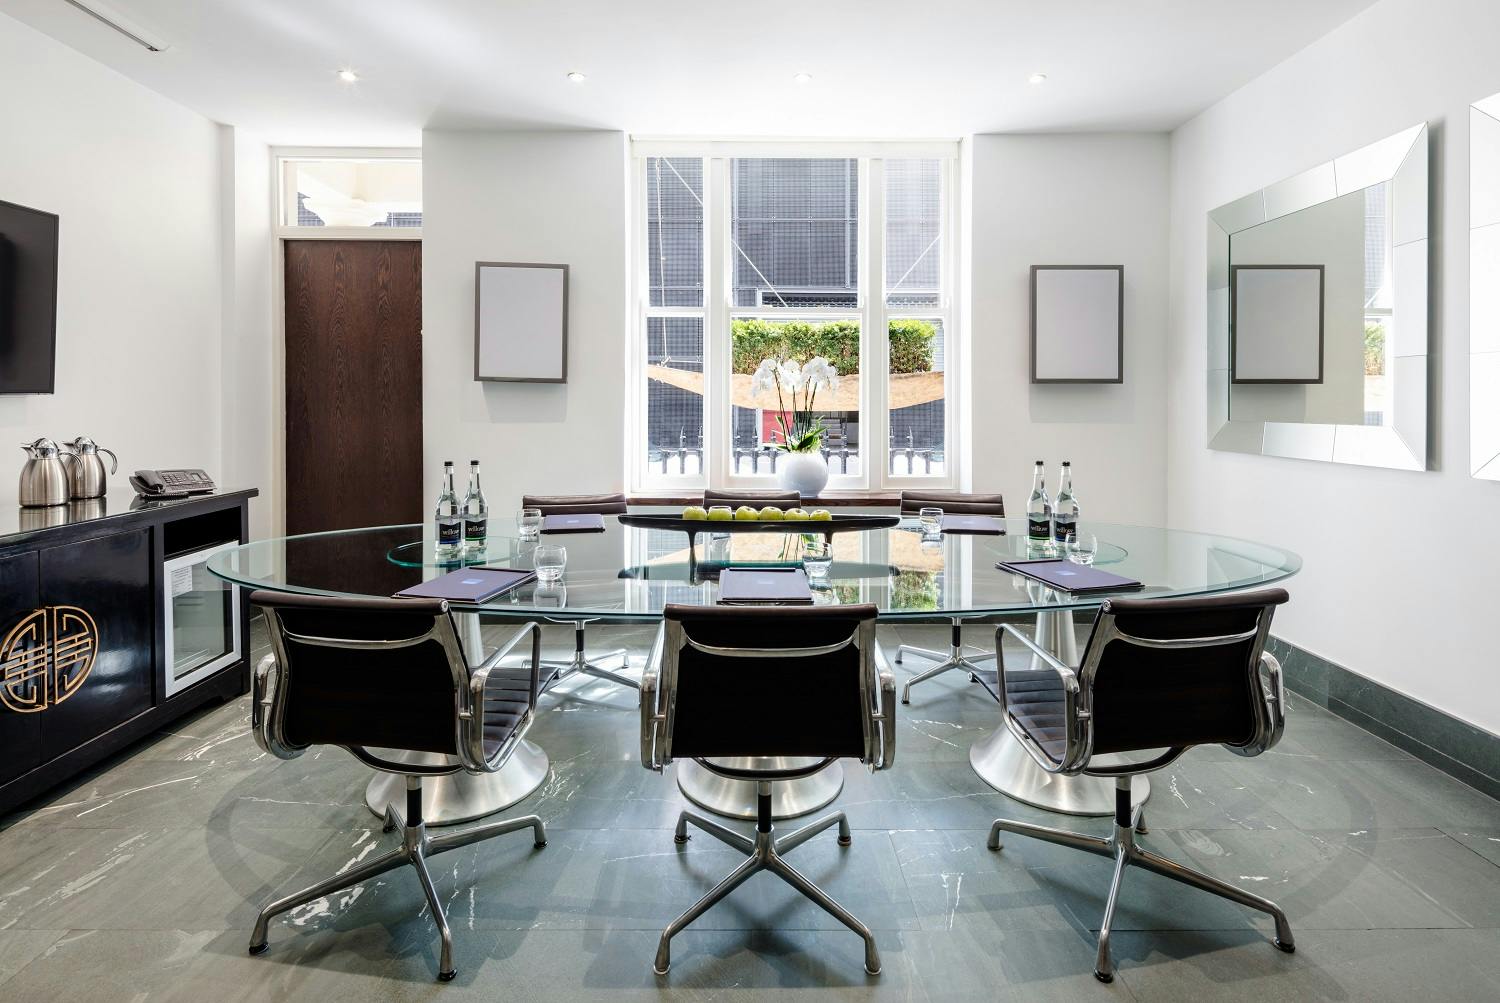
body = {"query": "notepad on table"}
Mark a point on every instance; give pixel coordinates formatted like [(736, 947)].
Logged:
[(1065, 576), (581, 522), (764, 586), (471, 585)]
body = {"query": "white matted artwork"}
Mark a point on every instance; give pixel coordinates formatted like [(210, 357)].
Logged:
[(520, 322), (1078, 323), (1276, 323)]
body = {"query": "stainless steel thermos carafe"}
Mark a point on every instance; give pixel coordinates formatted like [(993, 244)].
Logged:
[(86, 474), (44, 478)]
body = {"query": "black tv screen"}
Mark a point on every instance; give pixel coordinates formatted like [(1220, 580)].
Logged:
[(28, 300)]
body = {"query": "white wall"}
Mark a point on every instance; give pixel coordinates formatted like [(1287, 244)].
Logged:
[(557, 197), (251, 408), (135, 180), (1401, 568), (1061, 200)]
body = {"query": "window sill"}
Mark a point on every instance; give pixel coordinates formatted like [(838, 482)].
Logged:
[(833, 499)]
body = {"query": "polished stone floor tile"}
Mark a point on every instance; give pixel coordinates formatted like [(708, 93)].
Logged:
[(140, 879)]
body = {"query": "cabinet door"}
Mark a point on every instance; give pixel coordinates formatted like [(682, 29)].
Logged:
[(23, 647), (103, 587)]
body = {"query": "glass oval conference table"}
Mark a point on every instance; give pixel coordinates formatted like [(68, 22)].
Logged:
[(628, 574)]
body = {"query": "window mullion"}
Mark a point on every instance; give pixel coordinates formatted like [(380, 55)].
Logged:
[(717, 355), (874, 345)]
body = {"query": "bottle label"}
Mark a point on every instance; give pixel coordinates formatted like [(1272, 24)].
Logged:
[(1038, 527), (1062, 526), (449, 532), (474, 530)]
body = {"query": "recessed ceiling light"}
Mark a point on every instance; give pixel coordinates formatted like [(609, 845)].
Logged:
[(348, 76), (1037, 78), (577, 77), (803, 78)]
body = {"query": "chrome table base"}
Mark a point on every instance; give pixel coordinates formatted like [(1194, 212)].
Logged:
[(1002, 763), (736, 798), (765, 853), (1122, 847), (416, 846), (460, 797)]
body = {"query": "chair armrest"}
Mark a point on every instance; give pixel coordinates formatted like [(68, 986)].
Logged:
[(1271, 716), (471, 719), (883, 711), (1078, 746), (652, 719), (264, 682)]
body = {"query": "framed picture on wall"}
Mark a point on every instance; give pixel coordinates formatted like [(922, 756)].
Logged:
[(520, 322), (1276, 323), (1078, 323)]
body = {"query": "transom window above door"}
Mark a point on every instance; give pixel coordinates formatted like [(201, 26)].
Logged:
[(791, 252)]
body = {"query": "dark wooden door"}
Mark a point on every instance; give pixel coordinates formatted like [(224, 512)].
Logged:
[(353, 383)]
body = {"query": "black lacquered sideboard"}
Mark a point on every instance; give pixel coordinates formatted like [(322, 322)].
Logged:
[(111, 627)]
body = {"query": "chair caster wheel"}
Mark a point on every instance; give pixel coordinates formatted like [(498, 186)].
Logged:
[(1284, 947), (661, 971), (679, 840), (257, 949), (1105, 977), (871, 971), (447, 976), (539, 845), (846, 840)]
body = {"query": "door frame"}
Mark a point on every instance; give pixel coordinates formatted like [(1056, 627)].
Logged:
[(280, 234)]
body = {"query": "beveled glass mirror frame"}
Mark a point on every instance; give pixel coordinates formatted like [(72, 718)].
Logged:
[(1484, 289), (1401, 443)]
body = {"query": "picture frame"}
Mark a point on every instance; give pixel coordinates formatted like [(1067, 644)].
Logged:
[(1276, 320), (520, 322), (1077, 324)]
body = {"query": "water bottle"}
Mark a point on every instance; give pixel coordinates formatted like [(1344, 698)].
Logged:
[(1065, 509), (448, 522), (1038, 510), (476, 513)]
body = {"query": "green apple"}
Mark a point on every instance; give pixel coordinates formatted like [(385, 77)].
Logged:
[(720, 513), (821, 515), (796, 515), (745, 514), (772, 514), (695, 512)]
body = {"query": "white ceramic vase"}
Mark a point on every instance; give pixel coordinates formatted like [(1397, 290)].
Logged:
[(804, 473)]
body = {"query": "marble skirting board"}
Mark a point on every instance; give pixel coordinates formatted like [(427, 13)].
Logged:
[(1460, 749)]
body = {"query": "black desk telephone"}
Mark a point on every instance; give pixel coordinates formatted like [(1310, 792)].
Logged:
[(171, 483)]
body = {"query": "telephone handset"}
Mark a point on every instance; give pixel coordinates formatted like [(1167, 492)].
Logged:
[(171, 483)]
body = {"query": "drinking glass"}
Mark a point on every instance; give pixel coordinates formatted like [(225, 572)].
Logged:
[(529, 523), (817, 558), (932, 521), (550, 560), (1081, 547)]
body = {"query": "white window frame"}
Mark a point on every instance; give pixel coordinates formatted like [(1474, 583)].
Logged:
[(283, 157), (717, 312)]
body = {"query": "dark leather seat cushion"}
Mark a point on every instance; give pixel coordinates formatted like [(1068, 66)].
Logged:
[(1035, 699), (507, 696)]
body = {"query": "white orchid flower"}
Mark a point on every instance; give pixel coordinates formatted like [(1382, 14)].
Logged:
[(764, 379), (791, 376)]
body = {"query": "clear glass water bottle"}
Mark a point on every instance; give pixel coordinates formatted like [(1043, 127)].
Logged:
[(476, 513), (1065, 509), (448, 521), (1039, 510)]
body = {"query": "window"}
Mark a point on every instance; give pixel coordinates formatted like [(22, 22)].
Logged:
[(746, 253), (359, 192)]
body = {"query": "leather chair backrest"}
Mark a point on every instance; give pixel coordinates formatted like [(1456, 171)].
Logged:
[(956, 502), (771, 705), (400, 696), (606, 504), (1167, 697), (734, 498)]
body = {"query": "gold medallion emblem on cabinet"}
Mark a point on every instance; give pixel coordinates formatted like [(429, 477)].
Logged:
[(46, 657)]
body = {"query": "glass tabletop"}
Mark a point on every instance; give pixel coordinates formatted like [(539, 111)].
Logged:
[(629, 574)]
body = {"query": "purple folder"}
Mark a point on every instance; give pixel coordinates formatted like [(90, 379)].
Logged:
[(976, 524), (1065, 576), (469, 585), (582, 522), (764, 586)]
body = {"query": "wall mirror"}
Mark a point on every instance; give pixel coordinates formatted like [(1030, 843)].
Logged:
[(1317, 312), (1484, 289)]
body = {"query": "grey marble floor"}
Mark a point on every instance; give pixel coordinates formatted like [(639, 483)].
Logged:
[(141, 880)]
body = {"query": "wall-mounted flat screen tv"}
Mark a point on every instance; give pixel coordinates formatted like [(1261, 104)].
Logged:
[(28, 300)]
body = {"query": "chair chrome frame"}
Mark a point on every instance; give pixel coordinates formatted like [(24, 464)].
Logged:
[(1078, 724), (954, 659), (764, 851), (581, 662), (268, 724)]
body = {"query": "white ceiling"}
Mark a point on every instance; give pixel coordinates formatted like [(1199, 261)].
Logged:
[(880, 68)]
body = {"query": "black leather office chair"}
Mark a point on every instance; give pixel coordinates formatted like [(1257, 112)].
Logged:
[(1157, 674), (768, 683), (606, 504), (734, 498), (390, 674), (957, 503)]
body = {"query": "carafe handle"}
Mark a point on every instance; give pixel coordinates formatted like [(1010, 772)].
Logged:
[(114, 462)]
